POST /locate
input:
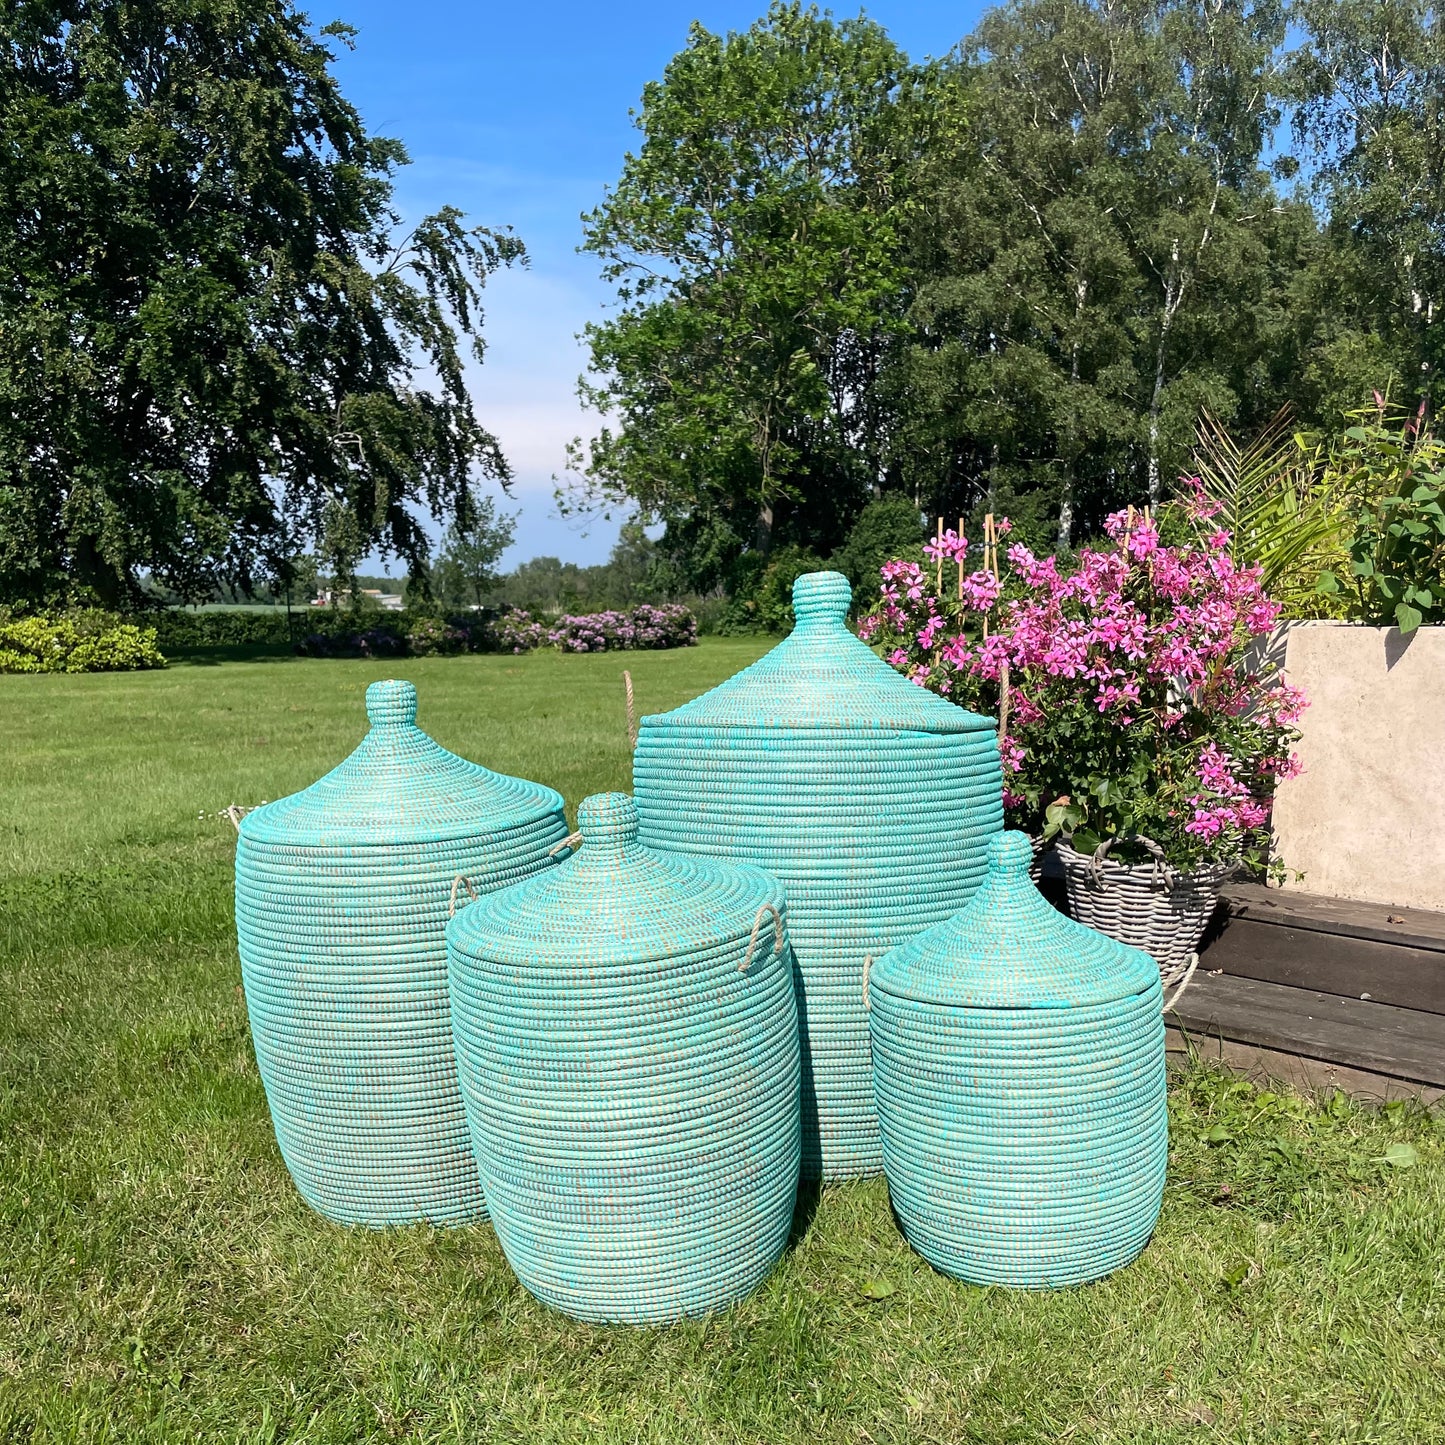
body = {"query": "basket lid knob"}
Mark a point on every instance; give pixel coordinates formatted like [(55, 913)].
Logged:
[(390, 703), (1010, 852), (607, 818), (822, 595)]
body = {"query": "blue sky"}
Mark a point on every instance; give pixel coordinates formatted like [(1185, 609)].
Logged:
[(519, 114)]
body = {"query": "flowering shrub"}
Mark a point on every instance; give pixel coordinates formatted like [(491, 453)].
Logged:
[(372, 642), (671, 625), (518, 632), (1128, 706)]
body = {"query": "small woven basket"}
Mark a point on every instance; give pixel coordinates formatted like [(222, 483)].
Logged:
[(1150, 906), (1018, 1065)]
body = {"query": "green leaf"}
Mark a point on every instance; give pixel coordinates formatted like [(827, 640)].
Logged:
[(877, 1288), (1408, 618), (1328, 582), (1216, 1134), (1236, 1275), (1399, 1156)]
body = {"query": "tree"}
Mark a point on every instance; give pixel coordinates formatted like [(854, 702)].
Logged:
[(466, 566), (1370, 76), (755, 242), (1091, 250), (213, 330)]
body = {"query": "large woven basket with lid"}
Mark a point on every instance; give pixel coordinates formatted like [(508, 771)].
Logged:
[(872, 800), (628, 1048), (1019, 1065), (342, 897)]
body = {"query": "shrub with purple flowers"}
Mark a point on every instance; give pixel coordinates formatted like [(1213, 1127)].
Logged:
[(1127, 701), (644, 627)]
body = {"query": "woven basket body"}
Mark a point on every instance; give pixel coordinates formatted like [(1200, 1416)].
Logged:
[(872, 801), (1019, 1068), (1162, 912), (628, 1048), (342, 895)]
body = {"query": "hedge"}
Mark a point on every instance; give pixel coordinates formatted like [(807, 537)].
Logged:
[(85, 640)]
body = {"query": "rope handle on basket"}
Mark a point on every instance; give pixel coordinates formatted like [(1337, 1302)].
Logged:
[(1172, 1002), (1162, 874), (570, 841), (457, 882), (753, 936), (631, 711), (867, 997)]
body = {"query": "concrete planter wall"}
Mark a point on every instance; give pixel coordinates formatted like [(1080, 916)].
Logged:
[(1362, 820)]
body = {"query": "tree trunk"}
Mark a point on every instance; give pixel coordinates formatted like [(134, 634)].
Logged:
[(763, 530), (1071, 451)]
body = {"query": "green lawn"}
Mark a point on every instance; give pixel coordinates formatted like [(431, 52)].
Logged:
[(161, 1280)]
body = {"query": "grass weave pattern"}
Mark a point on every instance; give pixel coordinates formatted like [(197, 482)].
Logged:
[(1019, 1070), (342, 895), (627, 1042), (872, 800)]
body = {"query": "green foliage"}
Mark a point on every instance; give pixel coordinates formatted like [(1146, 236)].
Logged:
[(1283, 515), (634, 573), (887, 527), (177, 627), (465, 572), (762, 599), (756, 242), (1012, 279), (220, 347), (1390, 474), (85, 640)]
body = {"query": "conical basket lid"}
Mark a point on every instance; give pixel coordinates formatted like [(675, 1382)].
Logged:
[(399, 787), (821, 676), (614, 901), (1008, 948)]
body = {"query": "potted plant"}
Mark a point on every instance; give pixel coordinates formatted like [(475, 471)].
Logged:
[(1133, 734)]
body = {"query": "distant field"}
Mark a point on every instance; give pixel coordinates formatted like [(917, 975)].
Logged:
[(161, 1281)]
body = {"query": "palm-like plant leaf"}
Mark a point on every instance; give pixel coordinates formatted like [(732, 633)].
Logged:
[(1273, 500)]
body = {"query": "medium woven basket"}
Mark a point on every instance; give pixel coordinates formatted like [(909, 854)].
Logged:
[(342, 898), (1019, 1069), (628, 1048), (872, 800), (1145, 905)]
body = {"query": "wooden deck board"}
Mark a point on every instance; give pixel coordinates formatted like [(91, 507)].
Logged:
[(1380, 1038)]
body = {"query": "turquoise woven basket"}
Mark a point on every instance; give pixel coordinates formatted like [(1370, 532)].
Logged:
[(1019, 1066), (628, 1049), (342, 896), (872, 800)]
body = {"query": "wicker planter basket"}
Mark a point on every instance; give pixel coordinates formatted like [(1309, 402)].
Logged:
[(627, 1041), (342, 897), (1019, 1067), (870, 799), (1145, 905)]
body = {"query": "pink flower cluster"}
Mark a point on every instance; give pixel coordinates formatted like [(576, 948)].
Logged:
[(1131, 688), (643, 627)]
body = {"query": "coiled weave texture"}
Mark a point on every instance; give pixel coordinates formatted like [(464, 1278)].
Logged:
[(1145, 905), (1019, 1069), (870, 799), (628, 1048), (342, 895)]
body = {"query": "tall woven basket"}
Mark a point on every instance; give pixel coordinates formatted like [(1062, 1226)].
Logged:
[(1019, 1066), (1150, 906), (628, 1048), (872, 800), (342, 898)]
